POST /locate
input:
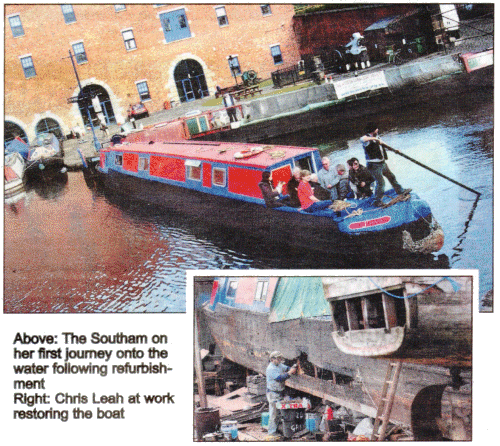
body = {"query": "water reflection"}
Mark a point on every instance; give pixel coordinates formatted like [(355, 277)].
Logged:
[(71, 248)]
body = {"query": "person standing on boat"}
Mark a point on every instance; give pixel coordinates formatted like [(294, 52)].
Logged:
[(328, 178), (276, 375), (308, 202), (292, 188), (343, 190), (361, 178), (231, 110), (270, 194), (375, 157)]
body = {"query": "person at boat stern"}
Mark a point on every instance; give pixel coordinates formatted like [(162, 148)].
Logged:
[(376, 156), (276, 375), (270, 194), (308, 202)]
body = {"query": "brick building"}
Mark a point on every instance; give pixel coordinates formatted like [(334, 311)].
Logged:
[(126, 53)]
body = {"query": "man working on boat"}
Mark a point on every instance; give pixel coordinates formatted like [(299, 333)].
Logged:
[(276, 375), (375, 158)]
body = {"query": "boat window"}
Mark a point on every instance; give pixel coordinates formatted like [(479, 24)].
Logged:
[(143, 163), (219, 176), (193, 169), (119, 160), (305, 163), (261, 291), (231, 289)]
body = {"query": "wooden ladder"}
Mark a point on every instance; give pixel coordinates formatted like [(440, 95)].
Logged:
[(386, 401)]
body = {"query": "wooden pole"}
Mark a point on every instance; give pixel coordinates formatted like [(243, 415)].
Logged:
[(430, 169), (197, 364)]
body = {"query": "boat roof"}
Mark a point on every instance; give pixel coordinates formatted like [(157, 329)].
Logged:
[(217, 151)]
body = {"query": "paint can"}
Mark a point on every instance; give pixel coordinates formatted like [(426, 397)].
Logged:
[(264, 420), (206, 421), (230, 429)]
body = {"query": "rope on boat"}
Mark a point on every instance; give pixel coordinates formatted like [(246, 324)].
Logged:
[(454, 284), (277, 154), (428, 244), (340, 205)]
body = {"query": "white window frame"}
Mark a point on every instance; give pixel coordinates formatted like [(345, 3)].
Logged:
[(119, 159), (219, 16), (261, 290), (281, 53), (223, 170), (25, 56), (270, 10), (143, 81), (125, 40), (64, 13), (143, 163), (193, 164), (79, 42), (18, 16)]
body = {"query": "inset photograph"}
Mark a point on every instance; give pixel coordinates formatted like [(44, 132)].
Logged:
[(331, 358)]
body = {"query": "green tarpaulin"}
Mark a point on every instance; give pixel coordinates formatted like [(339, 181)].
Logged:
[(298, 297)]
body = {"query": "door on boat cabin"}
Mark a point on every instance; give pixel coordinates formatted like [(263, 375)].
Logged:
[(190, 80), (306, 163), (95, 100)]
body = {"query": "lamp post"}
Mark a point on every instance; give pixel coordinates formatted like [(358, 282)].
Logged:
[(97, 144)]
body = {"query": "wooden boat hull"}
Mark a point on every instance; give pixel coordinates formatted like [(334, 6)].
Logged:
[(256, 222)]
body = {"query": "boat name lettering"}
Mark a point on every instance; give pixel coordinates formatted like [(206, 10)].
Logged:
[(370, 223)]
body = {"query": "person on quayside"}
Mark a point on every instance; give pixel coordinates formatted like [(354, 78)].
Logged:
[(276, 375), (375, 158)]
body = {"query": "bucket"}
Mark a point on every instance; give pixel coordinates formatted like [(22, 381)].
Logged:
[(264, 420), (230, 429), (312, 421), (206, 421)]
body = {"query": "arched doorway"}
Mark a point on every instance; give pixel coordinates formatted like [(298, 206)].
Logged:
[(88, 100), (190, 80), (11, 131), (49, 125)]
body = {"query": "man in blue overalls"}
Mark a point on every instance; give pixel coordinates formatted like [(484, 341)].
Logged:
[(276, 375)]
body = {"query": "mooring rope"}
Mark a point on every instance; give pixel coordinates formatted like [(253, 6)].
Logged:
[(454, 284)]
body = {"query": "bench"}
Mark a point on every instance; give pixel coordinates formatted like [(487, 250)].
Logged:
[(249, 91)]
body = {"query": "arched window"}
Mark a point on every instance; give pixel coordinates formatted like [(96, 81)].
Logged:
[(49, 125), (11, 131)]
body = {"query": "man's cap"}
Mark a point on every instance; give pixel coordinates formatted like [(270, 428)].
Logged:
[(275, 355)]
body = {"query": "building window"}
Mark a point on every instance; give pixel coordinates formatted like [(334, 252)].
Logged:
[(261, 290), (80, 54), (119, 8), (143, 163), (16, 26), (118, 160), (276, 54), (234, 66), (129, 40), (266, 9), (175, 25), (28, 67), (219, 176), (68, 13), (220, 12), (143, 90)]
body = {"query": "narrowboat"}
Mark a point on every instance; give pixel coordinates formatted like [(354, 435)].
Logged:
[(45, 158), (214, 182), (345, 331)]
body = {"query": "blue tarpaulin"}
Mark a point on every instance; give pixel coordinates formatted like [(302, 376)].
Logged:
[(298, 297)]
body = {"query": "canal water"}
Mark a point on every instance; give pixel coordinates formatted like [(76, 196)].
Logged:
[(72, 249)]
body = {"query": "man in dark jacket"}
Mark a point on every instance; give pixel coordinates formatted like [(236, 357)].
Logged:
[(360, 177)]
